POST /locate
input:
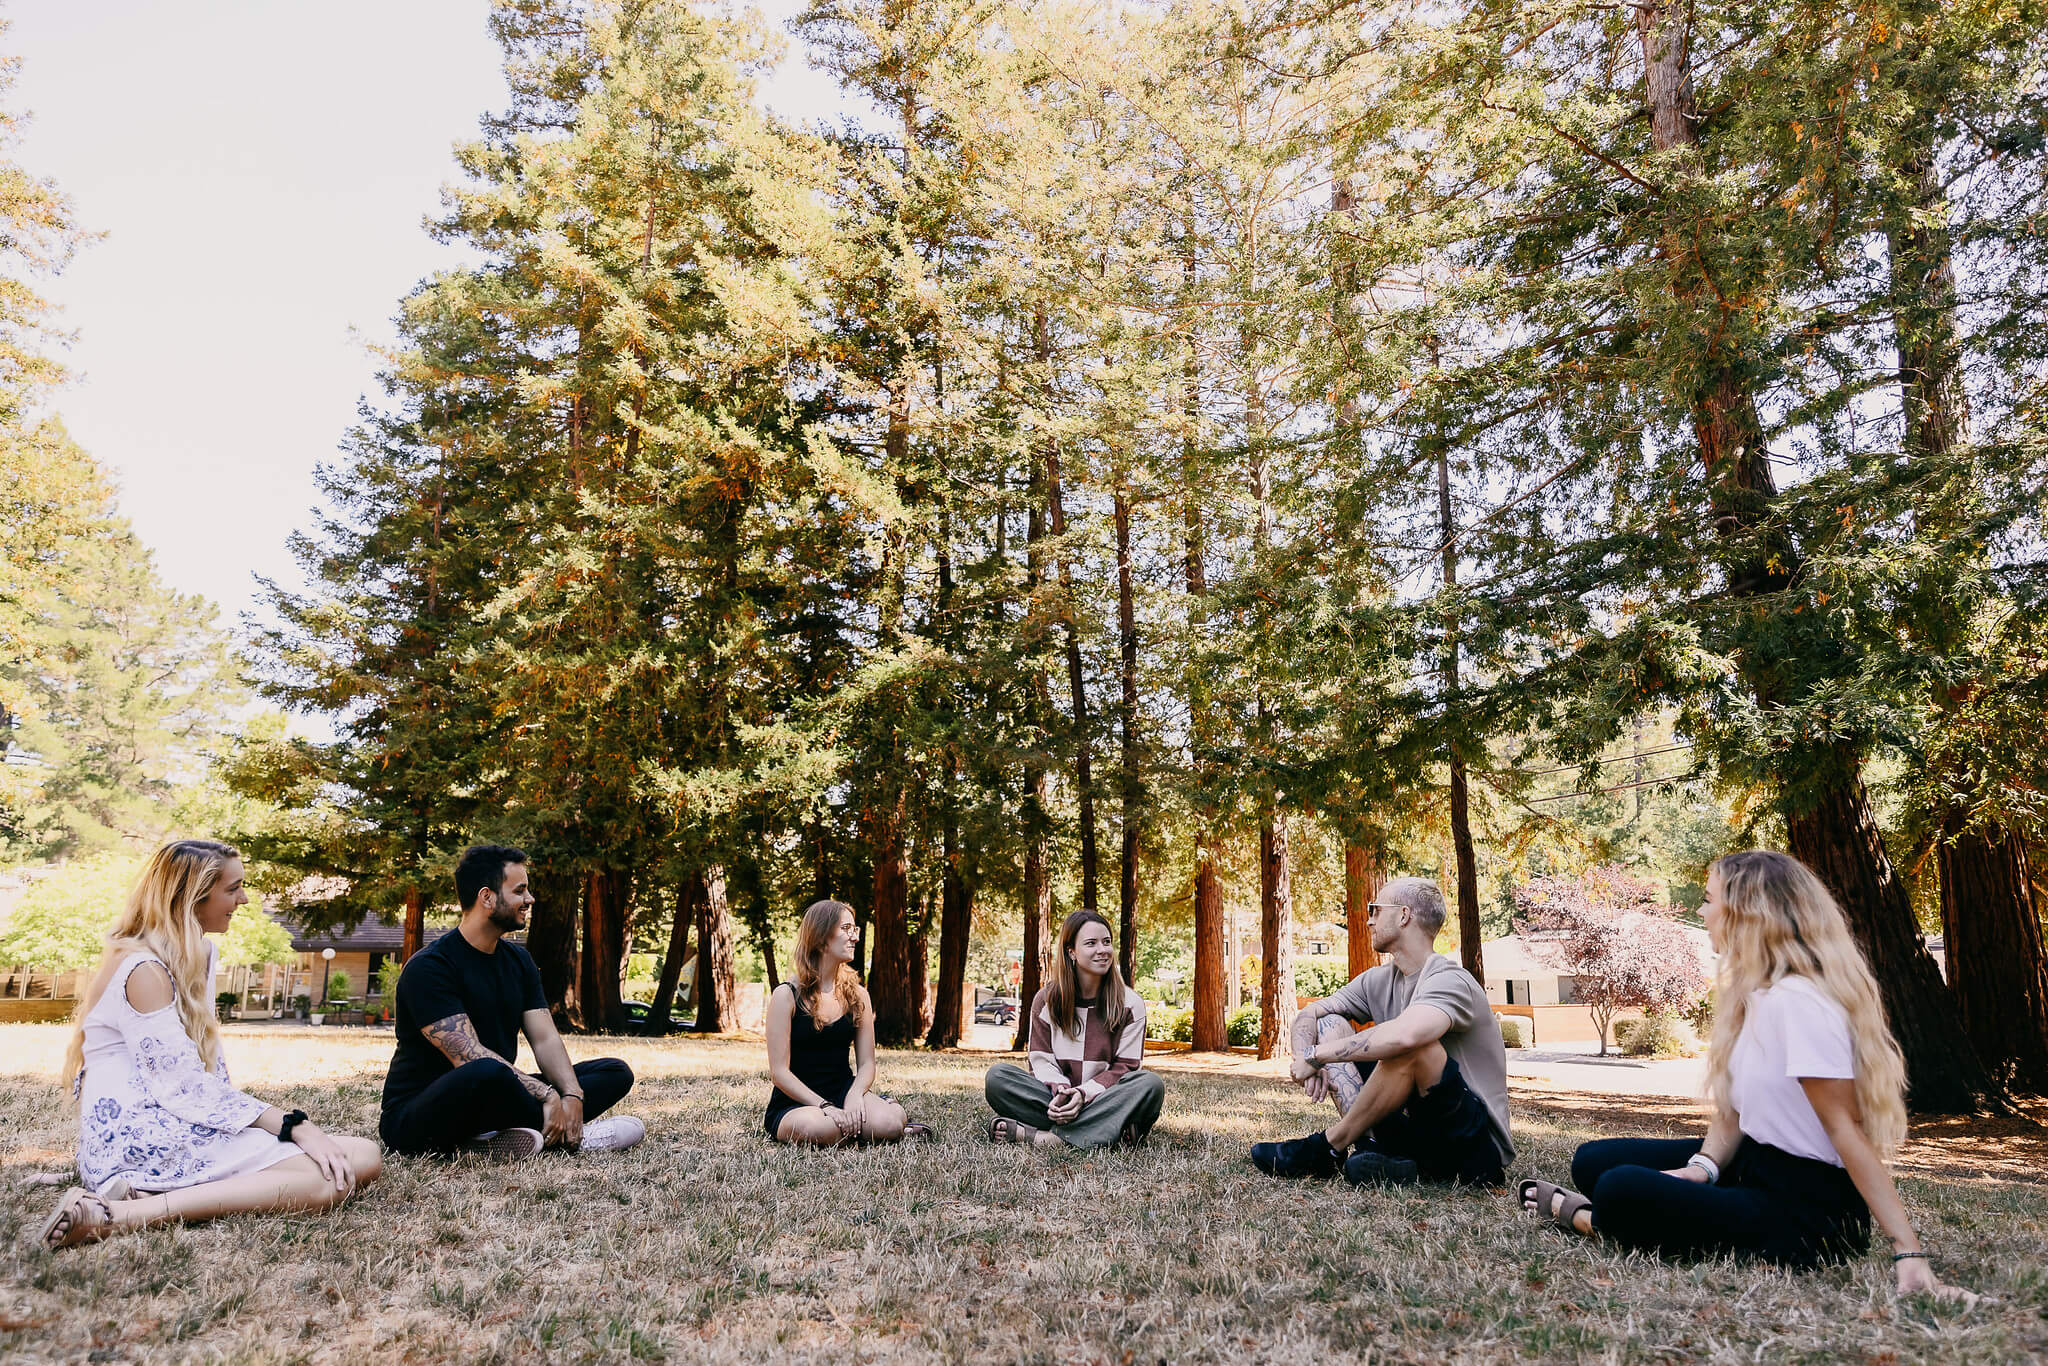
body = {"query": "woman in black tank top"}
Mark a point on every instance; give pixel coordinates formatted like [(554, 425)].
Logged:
[(815, 1021)]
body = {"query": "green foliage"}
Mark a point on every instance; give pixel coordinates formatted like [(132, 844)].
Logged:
[(1319, 977), (1241, 1026), (387, 982), (62, 921), (1653, 1036), (338, 985), (253, 939), (1511, 1032), (1167, 1023)]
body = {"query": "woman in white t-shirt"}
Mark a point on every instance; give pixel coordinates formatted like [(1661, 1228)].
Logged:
[(1808, 1091)]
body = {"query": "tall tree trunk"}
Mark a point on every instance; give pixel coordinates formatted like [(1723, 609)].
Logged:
[(1990, 919), (1838, 838), (1276, 938), (1131, 816), (1211, 1032), (1213, 975), (1830, 824), (1038, 929), (605, 893), (892, 984), (551, 941), (1461, 821), (716, 970), (678, 952), (415, 932), (921, 965), (1363, 879), (956, 925), (1077, 687)]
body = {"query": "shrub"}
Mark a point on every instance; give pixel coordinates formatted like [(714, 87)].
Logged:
[(1511, 1033), (1164, 1022), (224, 1003), (387, 981), (1700, 1016), (338, 984), (1242, 1027), (1319, 977), (1650, 1037)]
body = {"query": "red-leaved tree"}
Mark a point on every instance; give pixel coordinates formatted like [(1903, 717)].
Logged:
[(1609, 931)]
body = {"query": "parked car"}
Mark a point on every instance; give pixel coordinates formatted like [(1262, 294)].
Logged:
[(639, 1019), (996, 1010)]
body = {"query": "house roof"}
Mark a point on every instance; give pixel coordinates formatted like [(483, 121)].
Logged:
[(369, 935)]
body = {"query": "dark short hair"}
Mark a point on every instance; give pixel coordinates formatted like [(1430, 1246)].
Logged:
[(483, 865)]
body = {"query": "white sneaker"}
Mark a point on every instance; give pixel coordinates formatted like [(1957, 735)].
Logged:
[(612, 1134), (506, 1145)]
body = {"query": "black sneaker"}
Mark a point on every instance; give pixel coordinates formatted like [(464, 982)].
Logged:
[(1310, 1156), (1368, 1168)]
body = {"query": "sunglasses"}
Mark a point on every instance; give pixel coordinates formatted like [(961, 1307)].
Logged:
[(1373, 909)]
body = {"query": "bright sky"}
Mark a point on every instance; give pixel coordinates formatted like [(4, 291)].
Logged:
[(260, 171)]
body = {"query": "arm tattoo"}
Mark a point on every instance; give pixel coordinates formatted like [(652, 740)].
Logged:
[(457, 1040), (1353, 1049)]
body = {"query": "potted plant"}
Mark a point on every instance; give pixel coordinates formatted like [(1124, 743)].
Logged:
[(387, 989), (224, 1004), (302, 1005)]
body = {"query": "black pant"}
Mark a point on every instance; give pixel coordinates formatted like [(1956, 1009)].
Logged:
[(1768, 1204), (1447, 1133), (485, 1095)]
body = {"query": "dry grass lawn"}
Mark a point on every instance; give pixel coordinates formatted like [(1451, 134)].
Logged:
[(709, 1245)]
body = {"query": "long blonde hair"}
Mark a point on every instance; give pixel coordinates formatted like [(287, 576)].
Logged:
[(1064, 996), (1778, 920), (162, 919), (820, 923)]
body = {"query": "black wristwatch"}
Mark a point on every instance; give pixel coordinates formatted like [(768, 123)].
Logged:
[(292, 1120)]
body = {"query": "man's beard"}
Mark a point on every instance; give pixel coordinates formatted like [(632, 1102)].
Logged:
[(507, 920)]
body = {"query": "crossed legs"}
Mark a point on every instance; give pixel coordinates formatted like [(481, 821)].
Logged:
[(882, 1121), (1384, 1090)]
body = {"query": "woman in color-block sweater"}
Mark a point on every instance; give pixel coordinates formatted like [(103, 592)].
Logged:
[(1087, 1087)]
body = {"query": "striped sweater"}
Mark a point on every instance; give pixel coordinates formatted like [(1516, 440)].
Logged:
[(1090, 1059)]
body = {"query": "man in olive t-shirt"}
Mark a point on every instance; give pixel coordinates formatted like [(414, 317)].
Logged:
[(1423, 1090)]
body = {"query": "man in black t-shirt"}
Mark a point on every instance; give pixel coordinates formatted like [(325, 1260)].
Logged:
[(462, 1003)]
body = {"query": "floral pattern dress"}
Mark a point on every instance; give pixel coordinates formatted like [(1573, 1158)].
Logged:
[(149, 1112)]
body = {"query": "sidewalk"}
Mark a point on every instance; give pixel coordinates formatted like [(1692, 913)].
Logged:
[(1566, 1068)]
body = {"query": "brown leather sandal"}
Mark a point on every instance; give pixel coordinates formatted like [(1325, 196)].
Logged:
[(1003, 1129), (68, 1226)]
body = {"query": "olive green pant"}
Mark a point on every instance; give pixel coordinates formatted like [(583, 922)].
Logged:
[(1132, 1104)]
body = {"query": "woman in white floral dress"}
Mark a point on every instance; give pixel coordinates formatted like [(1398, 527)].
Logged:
[(163, 1134)]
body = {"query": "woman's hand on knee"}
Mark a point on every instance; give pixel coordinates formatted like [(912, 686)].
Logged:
[(883, 1121)]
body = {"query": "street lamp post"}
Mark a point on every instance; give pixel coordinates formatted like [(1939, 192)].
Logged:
[(326, 967)]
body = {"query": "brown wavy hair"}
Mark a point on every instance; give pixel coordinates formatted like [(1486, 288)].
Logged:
[(820, 923), (1065, 989)]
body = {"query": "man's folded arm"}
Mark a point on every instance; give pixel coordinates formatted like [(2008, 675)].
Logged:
[(456, 1037)]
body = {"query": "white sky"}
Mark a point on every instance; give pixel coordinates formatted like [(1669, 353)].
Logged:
[(261, 170)]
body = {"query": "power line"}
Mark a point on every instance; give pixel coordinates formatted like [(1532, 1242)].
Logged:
[(1619, 787), (1597, 763)]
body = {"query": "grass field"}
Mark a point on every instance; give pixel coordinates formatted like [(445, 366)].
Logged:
[(709, 1245)]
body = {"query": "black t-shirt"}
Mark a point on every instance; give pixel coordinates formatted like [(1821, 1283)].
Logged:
[(450, 977)]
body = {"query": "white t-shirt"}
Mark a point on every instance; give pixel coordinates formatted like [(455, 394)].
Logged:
[(1793, 1030)]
